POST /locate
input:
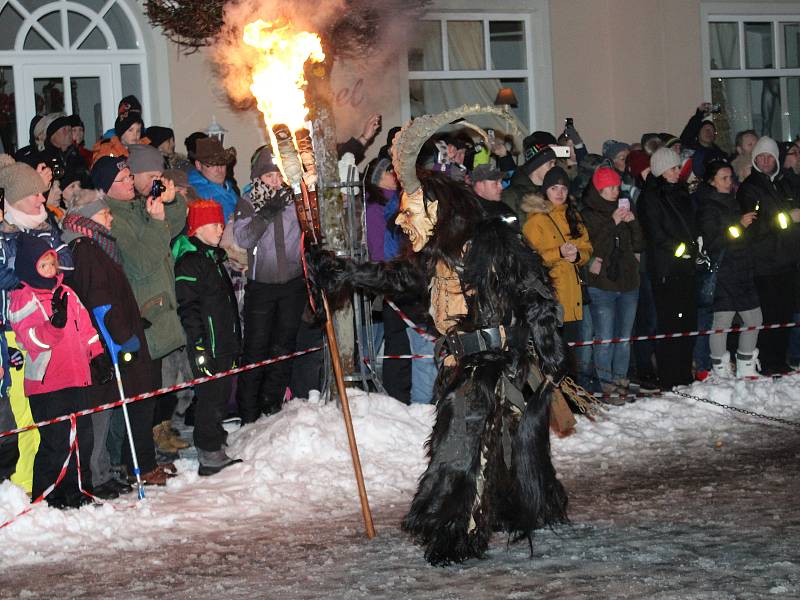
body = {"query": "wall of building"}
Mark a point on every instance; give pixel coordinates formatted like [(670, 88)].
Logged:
[(624, 67), (618, 67)]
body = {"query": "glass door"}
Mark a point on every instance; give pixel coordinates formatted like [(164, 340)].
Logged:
[(83, 90)]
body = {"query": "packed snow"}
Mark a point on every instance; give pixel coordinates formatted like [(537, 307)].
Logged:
[(650, 479)]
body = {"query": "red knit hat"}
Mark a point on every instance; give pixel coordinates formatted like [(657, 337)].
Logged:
[(638, 161), (605, 177), (203, 212)]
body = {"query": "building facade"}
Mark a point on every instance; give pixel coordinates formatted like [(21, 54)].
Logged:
[(617, 67)]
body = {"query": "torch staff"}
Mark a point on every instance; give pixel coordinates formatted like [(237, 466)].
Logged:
[(306, 212)]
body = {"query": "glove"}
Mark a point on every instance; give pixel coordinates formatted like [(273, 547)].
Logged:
[(59, 305), (272, 207), (15, 358), (573, 134), (201, 359), (101, 369)]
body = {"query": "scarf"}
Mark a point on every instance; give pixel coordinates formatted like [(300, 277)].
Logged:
[(22, 220), (76, 226)]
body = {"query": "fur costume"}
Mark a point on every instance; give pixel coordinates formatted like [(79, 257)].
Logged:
[(489, 451)]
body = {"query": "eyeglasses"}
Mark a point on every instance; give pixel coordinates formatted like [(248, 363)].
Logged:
[(126, 178)]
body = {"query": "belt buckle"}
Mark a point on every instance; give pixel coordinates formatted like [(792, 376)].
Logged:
[(492, 339), (455, 345)]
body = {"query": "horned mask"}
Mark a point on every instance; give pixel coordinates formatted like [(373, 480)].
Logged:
[(416, 219)]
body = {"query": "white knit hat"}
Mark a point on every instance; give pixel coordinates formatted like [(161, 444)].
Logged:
[(663, 160), (765, 145)]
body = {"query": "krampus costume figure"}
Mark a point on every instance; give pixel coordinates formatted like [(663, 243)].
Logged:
[(491, 299)]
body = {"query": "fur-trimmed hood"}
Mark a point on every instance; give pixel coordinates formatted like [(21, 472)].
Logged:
[(536, 203)]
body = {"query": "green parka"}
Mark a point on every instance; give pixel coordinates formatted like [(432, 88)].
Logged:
[(144, 244)]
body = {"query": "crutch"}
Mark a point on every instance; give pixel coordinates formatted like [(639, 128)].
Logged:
[(127, 349)]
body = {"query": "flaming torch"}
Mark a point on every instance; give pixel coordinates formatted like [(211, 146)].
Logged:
[(278, 82)]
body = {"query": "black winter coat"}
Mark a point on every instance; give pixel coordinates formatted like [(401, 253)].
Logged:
[(775, 249), (207, 304), (736, 288), (668, 220), (605, 236), (98, 280)]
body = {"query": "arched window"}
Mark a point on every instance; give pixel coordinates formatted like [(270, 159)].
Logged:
[(72, 56)]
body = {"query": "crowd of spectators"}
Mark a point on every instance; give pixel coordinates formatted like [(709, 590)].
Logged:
[(663, 235)]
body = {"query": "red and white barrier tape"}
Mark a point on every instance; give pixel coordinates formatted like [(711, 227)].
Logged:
[(164, 390), (665, 336), (635, 338), (407, 320)]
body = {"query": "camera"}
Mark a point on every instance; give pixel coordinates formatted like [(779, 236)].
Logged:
[(568, 122), (715, 108), (2, 199), (56, 167), (157, 189)]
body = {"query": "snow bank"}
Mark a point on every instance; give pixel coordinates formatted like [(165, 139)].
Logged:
[(297, 464)]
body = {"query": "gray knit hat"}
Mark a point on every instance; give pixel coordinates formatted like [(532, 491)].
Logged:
[(88, 203), (663, 160), (143, 158), (19, 181)]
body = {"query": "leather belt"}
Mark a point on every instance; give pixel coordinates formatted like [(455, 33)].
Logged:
[(461, 344)]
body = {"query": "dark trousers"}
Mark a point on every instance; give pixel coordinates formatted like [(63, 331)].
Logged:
[(145, 376), (54, 444), (645, 324), (271, 319), (211, 409), (9, 455), (396, 372), (777, 304), (307, 369), (676, 311)]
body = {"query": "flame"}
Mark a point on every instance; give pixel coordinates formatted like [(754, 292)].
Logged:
[(278, 80)]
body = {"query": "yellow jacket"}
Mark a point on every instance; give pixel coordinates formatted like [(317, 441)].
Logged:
[(546, 230)]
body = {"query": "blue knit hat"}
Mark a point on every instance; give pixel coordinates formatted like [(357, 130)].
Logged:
[(105, 171)]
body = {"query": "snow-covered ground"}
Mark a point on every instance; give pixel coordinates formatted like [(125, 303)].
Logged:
[(670, 498)]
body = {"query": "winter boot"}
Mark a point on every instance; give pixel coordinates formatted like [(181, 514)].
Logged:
[(213, 461), (613, 394), (174, 436), (163, 438), (747, 365), (721, 366)]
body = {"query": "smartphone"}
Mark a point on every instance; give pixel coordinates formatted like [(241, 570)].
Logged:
[(561, 151), (3, 199), (568, 122), (624, 203)]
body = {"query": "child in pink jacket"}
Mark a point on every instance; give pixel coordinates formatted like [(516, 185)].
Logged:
[(56, 331)]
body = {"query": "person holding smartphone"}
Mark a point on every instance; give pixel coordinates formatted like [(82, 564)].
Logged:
[(613, 274)]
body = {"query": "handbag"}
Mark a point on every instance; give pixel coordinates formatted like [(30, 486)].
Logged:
[(586, 299), (612, 268), (707, 282)]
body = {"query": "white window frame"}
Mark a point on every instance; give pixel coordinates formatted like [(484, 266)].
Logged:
[(445, 73), (751, 13), (150, 56)]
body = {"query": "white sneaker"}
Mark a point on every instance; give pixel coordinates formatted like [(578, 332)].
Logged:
[(721, 366), (747, 367)]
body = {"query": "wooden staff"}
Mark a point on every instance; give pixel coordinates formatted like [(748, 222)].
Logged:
[(336, 362)]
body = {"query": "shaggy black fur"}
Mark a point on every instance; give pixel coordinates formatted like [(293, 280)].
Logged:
[(462, 498)]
